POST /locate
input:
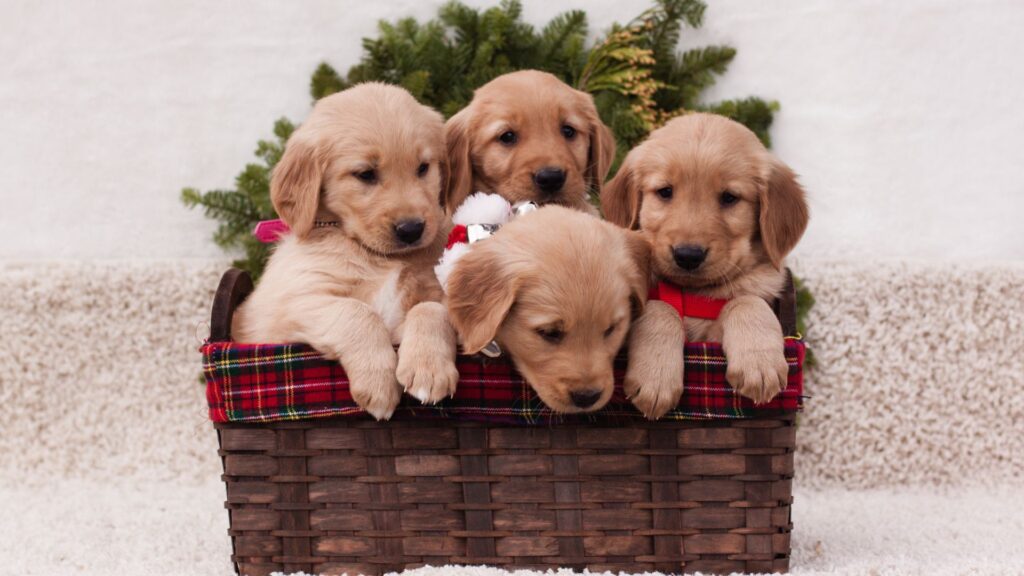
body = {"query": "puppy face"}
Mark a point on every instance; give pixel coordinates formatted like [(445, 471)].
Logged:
[(370, 158), (528, 136), (558, 290), (711, 200)]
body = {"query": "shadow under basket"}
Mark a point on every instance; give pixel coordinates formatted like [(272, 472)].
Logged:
[(491, 476)]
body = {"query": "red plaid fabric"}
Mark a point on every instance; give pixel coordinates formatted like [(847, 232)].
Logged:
[(274, 382)]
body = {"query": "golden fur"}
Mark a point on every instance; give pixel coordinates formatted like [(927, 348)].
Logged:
[(699, 158), (354, 290), (535, 106), (557, 289)]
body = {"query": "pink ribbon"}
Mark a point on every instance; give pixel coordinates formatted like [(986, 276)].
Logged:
[(270, 231)]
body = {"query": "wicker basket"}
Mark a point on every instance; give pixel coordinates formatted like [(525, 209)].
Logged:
[(353, 495)]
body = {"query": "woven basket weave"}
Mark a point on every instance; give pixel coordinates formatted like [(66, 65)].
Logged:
[(351, 495)]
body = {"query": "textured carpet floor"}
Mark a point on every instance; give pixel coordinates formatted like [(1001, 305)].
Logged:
[(920, 376), (911, 456), (141, 529)]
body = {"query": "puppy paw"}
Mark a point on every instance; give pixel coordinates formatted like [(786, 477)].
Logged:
[(758, 374), (374, 386), (654, 385), (427, 372), (654, 376)]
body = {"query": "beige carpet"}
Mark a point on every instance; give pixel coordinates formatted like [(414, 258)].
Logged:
[(144, 528), (911, 447), (920, 378)]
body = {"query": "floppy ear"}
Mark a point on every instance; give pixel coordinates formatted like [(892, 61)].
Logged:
[(295, 186), (620, 198), (639, 272), (784, 212), (601, 154), (446, 176), (480, 293), (460, 166)]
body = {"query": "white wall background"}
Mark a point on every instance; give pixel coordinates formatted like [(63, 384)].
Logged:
[(904, 118)]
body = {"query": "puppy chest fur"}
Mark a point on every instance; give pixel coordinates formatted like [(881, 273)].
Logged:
[(340, 268), (387, 302)]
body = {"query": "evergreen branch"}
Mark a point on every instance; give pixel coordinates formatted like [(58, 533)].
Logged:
[(664, 26), (464, 23), (325, 81), (691, 73), (283, 129), (804, 303), (562, 43), (228, 205), (752, 112), (417, 83), (562, 29)]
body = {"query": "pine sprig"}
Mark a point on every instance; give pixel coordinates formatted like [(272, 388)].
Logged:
[(666, 20), (562, 44), (237, 211), (804, 303), (753, 112), (325, 81), (690, 73), (229, 206)]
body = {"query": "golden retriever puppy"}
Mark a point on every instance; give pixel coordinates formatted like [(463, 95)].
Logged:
[(720, 213), (359, 185), (528, 136), (557, 290)]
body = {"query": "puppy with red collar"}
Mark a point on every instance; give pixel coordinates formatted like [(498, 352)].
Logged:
[(720, 214)]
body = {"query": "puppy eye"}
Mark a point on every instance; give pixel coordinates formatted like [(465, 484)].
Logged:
[(727, 198), (552, 335), (665, 192), (423, 169), (508, 138), (568, 131), (368, 176), (611, 330)]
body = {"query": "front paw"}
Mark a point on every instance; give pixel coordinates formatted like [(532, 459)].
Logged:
[(758, 374), (374, 386), (427, 372), (655, 384)]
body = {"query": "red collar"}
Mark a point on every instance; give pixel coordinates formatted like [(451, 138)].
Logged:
[(687, 305)]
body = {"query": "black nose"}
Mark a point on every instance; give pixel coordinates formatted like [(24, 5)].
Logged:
[(549, 180), (409, 231), (585, 398), (688, 256)]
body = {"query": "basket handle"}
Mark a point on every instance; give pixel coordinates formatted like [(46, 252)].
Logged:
[(235, 286), (785, 306)]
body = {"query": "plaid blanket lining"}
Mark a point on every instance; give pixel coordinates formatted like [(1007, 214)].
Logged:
[(275, 382), (279, 382)]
